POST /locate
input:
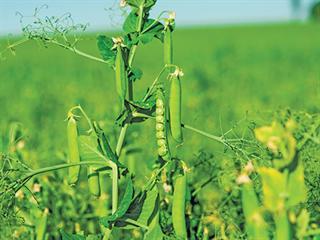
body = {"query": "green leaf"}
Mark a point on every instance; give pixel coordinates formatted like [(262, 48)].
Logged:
[(149, 3), (145, 3), (135, 74), (274, 188), (68, 236), (152, 28), (143, 208), (105, 146), (296, 187), (41, 224), (279, 140), (88, 147), (105, 44), (147, 105), (123, 207), (146, 38), (135, 3), (154, 232), (256, 226), (131, 23), (302, 223)]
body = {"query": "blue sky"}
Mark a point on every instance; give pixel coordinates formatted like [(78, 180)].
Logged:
[(189, 12)]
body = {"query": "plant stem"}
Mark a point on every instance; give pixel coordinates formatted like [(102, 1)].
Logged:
[(114, 188), (58, 167), (77, 51), (121, 139), (131, 221), (213, 137), (153, 84)]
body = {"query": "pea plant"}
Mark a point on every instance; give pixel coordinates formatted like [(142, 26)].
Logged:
[(160, 209)]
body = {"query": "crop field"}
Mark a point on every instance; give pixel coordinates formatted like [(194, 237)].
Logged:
[(242, 87)]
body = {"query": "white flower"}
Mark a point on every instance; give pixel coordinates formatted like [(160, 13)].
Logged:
[(19, 194), (243, 178), (123, 3), (172, 15), (249, 168), (178, 73), (36, 187), (167, 188), (20, 144), (117, 41)]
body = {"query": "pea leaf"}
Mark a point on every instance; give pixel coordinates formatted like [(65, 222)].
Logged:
[(154, 232), (152, 28), (94, 237), (105, 146), (302, 222), (142, 209), (296, 186), (68, 236), (135, 74), (274, 188), (135, 3), (123, 207), (145, 3), (88, 147), (149, 3), (105, 44), (130, 25), (147, 105)]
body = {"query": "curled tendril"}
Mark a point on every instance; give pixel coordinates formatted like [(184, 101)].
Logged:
[(50, 28), (116, 13)]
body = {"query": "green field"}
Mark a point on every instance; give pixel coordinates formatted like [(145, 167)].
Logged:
[(232, 74), (228, 71)]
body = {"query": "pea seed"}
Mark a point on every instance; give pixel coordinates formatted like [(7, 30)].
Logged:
[(159, 127)]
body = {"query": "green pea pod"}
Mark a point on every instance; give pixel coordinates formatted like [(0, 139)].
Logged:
[(175, 107), (167, 46), (42, 225), (256, 227), (282, 226), (121, 75), (161, 128), (178, 206), (93, 181), (73, 150)]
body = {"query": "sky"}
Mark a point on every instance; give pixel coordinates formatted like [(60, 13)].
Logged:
[(105, 14)]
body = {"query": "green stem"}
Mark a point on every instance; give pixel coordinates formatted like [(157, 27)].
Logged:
[(115, 191), (77, 51), (195, 192), (85, 116), (121, 139), (133, 222), (139, 27), (155, 82), (213, 137), (154, 22), (312, 232), (58, 167), (15, 44)]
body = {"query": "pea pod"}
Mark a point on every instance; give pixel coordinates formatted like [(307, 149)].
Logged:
[(167, 46), (178, 206), (121, 74), (73, 150), (282, 226), (161, 129), (256, 227), (175, 106), (42, 225), (93, 181)]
